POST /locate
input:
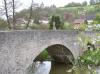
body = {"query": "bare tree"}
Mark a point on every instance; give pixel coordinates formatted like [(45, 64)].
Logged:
[(6, 12), (8, 9), (30, 15), (13, 7)]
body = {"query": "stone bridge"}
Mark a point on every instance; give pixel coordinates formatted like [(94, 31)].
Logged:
[(18, 49)]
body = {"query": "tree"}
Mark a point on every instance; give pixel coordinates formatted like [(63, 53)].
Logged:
[(8, 9), (3, 24), (97, 7), (30, 15), (23, 14), (97, 19), (51, 22), (84, 3), (7, 13), (34, 13), (13, 7), (55, 21), (73, 4), (37, 9), (92, 2)]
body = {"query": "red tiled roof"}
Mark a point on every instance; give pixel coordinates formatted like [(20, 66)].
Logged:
[(79, 21)]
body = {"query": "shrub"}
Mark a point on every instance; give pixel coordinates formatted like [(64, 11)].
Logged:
[(90, 57)]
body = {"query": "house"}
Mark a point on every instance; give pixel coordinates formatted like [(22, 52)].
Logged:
[(44, 21), (90, 18), (21, 21), (69, 17), (78, 23)]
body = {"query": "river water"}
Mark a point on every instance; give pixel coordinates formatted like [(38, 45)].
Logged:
[(48, 67)]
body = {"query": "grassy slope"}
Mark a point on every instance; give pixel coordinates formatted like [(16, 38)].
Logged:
[(85, 7), (88, 9)]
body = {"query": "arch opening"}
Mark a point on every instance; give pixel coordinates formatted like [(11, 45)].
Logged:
[(57, 52)]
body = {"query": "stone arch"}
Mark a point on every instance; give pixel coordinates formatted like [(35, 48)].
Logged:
[(60, 53)]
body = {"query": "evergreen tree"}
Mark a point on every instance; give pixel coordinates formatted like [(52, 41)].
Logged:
[(92, 2), (55, 20)]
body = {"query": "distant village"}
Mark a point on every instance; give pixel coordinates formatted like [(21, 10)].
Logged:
[(82, 16)]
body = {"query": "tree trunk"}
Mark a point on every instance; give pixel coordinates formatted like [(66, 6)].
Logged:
[(7, 16), (13, 1), (30, 16)]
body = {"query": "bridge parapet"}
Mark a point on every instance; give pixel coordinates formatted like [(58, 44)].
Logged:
[(19, 48)]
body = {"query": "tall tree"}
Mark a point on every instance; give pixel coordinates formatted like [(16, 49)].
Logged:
[(13, 7), (97, 19), (55, 22), (84, 3), (8, 9), (37, 13), (6, 12), (92, 2), (30, 15)]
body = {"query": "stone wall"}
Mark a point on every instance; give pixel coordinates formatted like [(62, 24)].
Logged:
[(19, 48)]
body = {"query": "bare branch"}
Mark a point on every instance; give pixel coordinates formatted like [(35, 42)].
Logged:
[(30, 16)]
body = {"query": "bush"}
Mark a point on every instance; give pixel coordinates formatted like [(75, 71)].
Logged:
[(97, 19), (90, 57), (67, 26), (3, 25), (83, 26), (42, 56)]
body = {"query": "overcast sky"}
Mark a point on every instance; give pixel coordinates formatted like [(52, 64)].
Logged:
[(58, 3)]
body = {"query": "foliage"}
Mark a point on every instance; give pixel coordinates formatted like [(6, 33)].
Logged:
[(90, 57), (83, 26), (89, 9), (55, 21), (67, 26), (39, 26), (66, 14), (42, 56), (84, 3), (97, 19), (92, 2), (3, 24), (83, 40), (73, 4), (97, 7), (22, 14)]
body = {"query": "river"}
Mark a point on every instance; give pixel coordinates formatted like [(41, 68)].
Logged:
[(48, 67)]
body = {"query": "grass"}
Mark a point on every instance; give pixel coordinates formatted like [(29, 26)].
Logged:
[(40, 26), (67, 26)]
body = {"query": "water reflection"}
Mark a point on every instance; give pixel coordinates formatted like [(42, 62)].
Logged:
[(60, 68), (48, 68), (57, 68), (39, 68), (98, 70), (43, 68)]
